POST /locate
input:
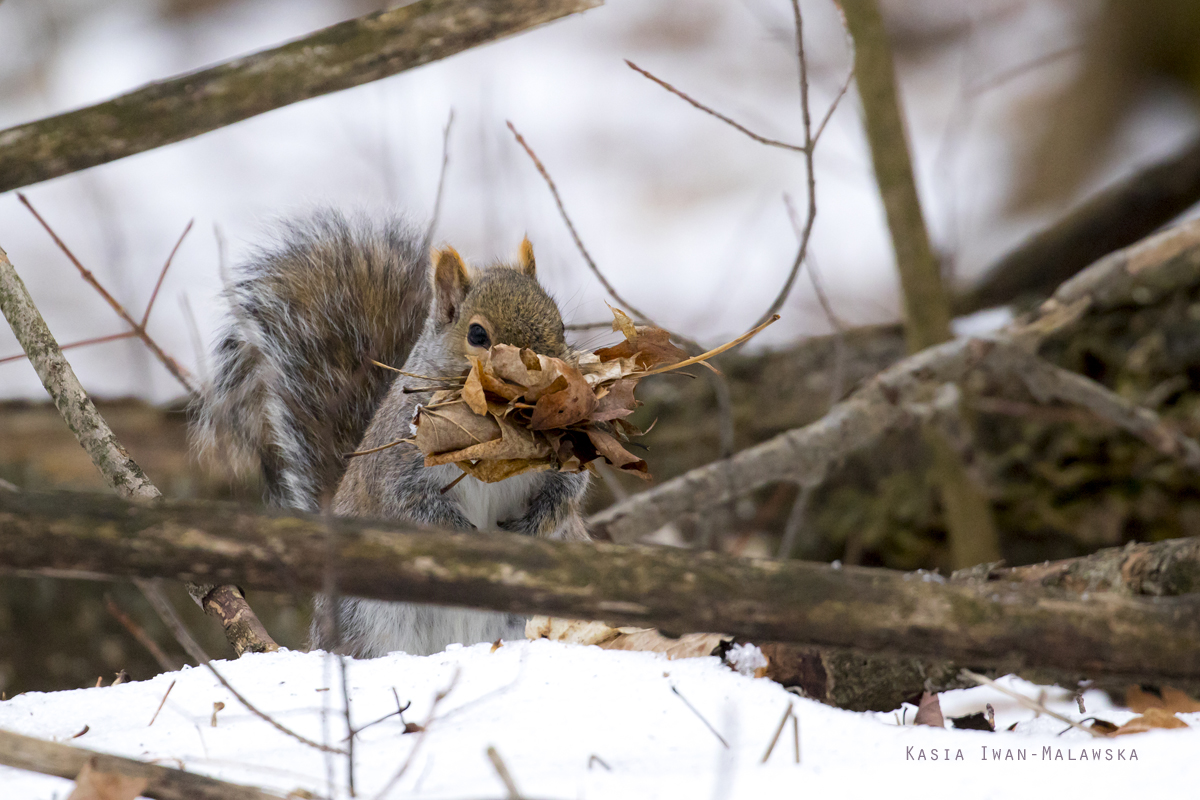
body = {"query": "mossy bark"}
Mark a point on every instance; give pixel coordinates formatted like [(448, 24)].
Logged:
[(877, 611), (338, 57)]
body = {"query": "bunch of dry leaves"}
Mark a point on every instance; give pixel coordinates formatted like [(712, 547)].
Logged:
[(518, 411)]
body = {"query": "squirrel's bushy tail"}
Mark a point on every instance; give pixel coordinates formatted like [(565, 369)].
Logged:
[(292, 386)]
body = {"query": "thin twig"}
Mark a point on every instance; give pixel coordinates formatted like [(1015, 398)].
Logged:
[(167, 663), (712, 112), (809, 172), (417, 375), (701, 716), (502, 770), (787, 712), (82, 343), (715, 351), (163, 274), (1028, 702), (437, 200), (834, 105), (170, 618), (387, 446), (588, 326), (161, 703), (541, 168), (349, 726), (795, 523), (139, 330), (189, 317), (412, 754)]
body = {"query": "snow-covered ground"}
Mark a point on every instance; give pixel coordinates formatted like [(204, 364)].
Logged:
[(580, 722)]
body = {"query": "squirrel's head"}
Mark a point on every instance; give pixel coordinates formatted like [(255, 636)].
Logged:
[(503, 304)]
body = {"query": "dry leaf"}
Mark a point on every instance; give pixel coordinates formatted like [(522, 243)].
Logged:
[(570, 405), (453, 428), (1153, 718), (576, 631), (617, 402), (93, 785), (473, 389), (618, 456), (571, 631), (519, 411), (1168, 698), (929, 711), (690, 645), (513, 443)]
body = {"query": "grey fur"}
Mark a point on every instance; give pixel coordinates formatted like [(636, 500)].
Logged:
[(290, 389)]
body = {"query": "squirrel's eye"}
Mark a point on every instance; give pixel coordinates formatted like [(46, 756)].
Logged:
[(477, 336)]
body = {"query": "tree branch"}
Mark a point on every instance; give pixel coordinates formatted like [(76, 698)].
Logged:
[(1113, 218), (1138, 275), (120, 471), (164, 783), (1013, 625), (338, 57)]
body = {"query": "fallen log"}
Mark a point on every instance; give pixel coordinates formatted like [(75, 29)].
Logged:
[(1004, 625)]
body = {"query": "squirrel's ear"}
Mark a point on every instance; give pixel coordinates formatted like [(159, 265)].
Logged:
[(450, 283), (525, 259)]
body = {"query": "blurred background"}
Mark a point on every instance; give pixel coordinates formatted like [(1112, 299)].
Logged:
[(1016, 110)]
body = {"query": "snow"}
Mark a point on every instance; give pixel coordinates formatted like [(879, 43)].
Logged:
[(549, 708)]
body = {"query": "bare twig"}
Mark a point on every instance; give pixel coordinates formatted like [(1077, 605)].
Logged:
[(797, 148), (163, 274), (795, 522), (166, 613), (588, 326), (608, 287), (94, 435), (834, 105), (138, 328), (502, 770), (167, 663), (437, 200), (1028, 702), (692, 708), (412, 754), (161, 703), (811, 180), (349, 723), (787, 712), (82, 343)]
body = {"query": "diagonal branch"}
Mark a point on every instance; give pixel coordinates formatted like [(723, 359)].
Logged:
[(587, 257), (1158, 267), (138, 328), (796, 148), (338, 57), (120, 471)]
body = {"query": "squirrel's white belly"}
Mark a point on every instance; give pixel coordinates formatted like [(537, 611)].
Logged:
[(487, 504)]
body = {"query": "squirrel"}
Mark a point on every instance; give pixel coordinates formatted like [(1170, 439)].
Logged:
[(293, 389)]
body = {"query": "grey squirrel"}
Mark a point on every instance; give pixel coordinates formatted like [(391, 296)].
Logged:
[(293, 389)]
